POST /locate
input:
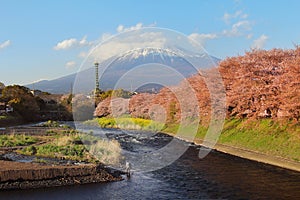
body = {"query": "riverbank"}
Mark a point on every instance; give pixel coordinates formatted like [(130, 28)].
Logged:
[(266, 141), (249, 154), (277, 147), (53, 154), (18, 175), (255, 156)]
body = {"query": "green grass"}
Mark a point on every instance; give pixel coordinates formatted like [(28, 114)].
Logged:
[(63, 144), (54, 124), (72, 152), (264, 135), (3, 117), (127, 123), (73, 145), (16, 140)]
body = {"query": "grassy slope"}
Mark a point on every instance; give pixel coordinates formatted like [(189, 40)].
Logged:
[(265, 135), (66, 144)]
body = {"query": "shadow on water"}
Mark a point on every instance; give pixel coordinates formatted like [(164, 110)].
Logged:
[(217, 176)]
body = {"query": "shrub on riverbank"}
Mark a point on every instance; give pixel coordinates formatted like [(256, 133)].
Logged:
[(16, 140), (73, 145), (127, 123), (60, 146), (106, 151)]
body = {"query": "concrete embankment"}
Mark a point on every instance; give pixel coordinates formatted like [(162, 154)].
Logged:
[(251, 155), (259, 157), (16, 175)]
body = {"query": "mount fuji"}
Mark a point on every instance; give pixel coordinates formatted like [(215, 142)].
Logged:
[(146, 63)]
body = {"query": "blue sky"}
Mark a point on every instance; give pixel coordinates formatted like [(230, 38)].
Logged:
[(48, 39)]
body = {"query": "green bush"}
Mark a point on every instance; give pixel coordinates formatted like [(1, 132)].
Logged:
[(127, 123), (51, 150), (16, 140)]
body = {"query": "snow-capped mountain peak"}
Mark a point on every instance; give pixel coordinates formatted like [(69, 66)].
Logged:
[(146, 52)]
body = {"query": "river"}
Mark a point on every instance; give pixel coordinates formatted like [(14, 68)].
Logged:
[(217, 176)]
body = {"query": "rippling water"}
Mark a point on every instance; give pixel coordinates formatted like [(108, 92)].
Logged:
[(217, 176)]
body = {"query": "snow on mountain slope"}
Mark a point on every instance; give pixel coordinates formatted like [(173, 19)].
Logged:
[(152, 59)]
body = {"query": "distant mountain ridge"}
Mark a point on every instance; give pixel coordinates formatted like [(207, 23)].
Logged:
[(122, 64), (56, 86)]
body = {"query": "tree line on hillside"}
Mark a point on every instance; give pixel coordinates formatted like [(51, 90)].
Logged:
[(36, 105), (30, 107)]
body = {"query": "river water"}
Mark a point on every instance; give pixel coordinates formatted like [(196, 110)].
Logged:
[(217, 176)]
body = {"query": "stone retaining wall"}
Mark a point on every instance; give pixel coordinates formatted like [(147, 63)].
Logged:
[(46, 173)]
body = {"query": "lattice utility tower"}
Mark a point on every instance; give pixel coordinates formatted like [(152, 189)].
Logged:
[(97, 86)]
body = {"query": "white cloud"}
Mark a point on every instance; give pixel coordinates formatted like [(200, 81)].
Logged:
[(75, 43), (202, 38), (260, 42), (226, 17), (82, 54), (120, 45), (249, 36), (72, 43), (84, 42), (105, 36), (238, 29), (70, 64), (237, 15), (5, 44), (113, 46), (66, 44), (121, 28), (240, 26)]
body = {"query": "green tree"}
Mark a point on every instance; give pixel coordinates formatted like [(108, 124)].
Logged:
[(2, 86), (172, 112), (22, 100), (112, 93), (82, 107), (121, 93)]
